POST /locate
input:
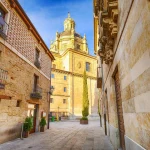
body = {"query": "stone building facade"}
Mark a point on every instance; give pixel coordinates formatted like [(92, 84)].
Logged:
[(71, 59), (25, 69), (122, 45)]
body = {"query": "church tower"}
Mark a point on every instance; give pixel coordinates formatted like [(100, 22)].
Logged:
[(69, 38), (72, 57)]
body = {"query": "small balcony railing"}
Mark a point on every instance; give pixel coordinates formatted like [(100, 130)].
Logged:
[(37, 64), (36, 94), (3, 28), (3, 78)]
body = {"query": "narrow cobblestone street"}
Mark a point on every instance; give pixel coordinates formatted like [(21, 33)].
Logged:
[(68, 135)]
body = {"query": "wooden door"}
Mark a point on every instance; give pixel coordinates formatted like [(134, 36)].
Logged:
[(107, 112), (119, 111), (105, 124)]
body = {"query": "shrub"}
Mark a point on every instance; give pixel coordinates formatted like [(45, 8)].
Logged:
[(27, 126), (84, 118), (42, 122)]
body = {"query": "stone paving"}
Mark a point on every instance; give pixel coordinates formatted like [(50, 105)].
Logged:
[(68, 135)]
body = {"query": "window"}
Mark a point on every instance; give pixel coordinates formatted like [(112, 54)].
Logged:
[(18, 103), (37, 56), (52, 75), (65, 89), (87, 66), (65, 77), (64, 101), (3, 24), (0, 54), (78, 46), (51, 100), (54, 66), (36, 80)]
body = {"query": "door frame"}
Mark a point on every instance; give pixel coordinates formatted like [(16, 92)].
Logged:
[(34, 118), (122, 139)]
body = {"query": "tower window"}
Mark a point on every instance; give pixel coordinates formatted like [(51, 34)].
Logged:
[(65, 89), (64, 101), (65, 77), (52, 76), (88, 66)]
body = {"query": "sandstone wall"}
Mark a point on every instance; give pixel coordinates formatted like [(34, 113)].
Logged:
[(58, 95), (19, 85), (74, 85), (17, 57), (20, 37), (133, 60)]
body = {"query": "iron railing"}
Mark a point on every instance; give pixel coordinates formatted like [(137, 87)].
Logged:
[(37, 64), (37, 94), (3, 78)]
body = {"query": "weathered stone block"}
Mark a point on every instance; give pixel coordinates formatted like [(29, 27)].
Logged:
[(144, 138), (3, 117), (126, 93), (128, 106)]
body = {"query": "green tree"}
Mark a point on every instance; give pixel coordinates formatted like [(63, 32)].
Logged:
[(85, 101)]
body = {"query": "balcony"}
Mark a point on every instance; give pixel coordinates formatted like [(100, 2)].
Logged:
[(37, 93), (3, 78), (3, 28), (37, 64)]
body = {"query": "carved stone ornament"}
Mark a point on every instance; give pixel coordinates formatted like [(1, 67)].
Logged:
[(107, 30)]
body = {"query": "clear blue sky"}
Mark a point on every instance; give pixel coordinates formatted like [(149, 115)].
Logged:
[(48, 17)]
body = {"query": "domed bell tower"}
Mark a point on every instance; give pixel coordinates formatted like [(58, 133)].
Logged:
[(69, 23)]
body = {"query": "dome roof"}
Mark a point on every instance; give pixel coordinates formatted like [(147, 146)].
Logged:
[(68, 33)]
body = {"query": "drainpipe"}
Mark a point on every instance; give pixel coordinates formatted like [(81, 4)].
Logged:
[(101, 66), (48, 109), (48, 98)]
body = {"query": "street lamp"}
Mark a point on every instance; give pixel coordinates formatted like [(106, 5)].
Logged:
[(51, 90), (50, 93)]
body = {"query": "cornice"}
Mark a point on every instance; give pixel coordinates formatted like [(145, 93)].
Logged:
[(72, 73), (60, 71), (74, 51), (61, 95), (78, 52), (15, 4)]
